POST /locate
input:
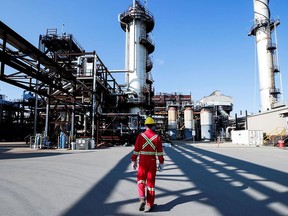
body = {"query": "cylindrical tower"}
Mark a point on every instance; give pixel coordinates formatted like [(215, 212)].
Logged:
[(188, 121), (262, 29), (138, 22), (206, 123), (172, 121)]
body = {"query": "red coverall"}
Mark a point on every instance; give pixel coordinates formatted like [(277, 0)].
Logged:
[(148, 145)]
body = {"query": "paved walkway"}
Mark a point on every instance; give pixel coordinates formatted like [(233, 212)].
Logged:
[(201, 179)]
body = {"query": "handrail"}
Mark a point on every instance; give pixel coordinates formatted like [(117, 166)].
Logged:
[(279, 131)]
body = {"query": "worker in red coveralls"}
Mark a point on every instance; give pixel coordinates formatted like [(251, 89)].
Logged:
[(148, 145)]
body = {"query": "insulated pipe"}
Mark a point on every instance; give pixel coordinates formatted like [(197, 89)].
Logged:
[(46, 131), (265, 57), (94, 102), (126, 52), (224, 113)]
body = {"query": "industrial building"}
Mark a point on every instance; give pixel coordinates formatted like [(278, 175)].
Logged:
[(72, 100), (70, 97)]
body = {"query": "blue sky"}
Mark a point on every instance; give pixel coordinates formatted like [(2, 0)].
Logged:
[(201, 46)]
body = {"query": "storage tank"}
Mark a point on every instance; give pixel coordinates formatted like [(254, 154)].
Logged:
[(188, 121), (172, 121), (206, 123)]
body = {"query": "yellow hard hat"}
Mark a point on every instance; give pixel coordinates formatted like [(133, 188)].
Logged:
[(149, 121)]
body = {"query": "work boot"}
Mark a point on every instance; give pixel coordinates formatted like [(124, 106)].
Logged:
[(142, 204), (148, 208)]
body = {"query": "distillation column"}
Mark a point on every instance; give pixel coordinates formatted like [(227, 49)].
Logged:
[(137, 22), (262, 29)]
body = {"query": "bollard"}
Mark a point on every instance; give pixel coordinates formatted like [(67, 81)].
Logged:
[(281, 143), (218, 140)]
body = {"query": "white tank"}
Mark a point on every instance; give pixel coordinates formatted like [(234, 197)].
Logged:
[(188, 122), (188, 117), (206, 123), (172, 117)]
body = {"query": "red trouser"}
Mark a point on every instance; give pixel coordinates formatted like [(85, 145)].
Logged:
[(146, 177)]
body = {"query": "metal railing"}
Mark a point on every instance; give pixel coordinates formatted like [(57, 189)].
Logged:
[(278, 133)]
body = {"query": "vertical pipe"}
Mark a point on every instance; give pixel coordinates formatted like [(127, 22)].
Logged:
[(246, 120), (127, 62), (73, 114), (47, 115), (277, 58), (35, 113), (2, 68), (36, 101), (1, 107), (4, 49), (94, 96)]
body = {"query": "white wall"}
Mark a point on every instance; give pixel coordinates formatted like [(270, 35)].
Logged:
[(247, 137), (268, 121)]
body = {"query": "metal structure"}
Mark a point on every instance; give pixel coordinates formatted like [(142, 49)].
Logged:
[(214, 115), (97, 91), (267, 54), (72, 100), (138, 22), (174, 115), (12, 125), (72, 90), (31, 65)]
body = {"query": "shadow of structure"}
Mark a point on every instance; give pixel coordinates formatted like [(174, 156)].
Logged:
[(231, 186), (228, 185), (96, 201), (6, 153)]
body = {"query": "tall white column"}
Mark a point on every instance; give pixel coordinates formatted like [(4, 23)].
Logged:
[(265, 56)]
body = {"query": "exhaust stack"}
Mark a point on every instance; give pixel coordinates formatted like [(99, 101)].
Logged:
[(267, 68)]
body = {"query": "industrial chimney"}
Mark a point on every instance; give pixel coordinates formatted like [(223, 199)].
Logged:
[(267, 68)]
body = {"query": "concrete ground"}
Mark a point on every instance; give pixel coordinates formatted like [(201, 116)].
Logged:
[(201, 179)]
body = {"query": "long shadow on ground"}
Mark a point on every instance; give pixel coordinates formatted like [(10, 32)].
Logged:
[(229, 186), (95, 202), (232, 186), (7, 154)]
